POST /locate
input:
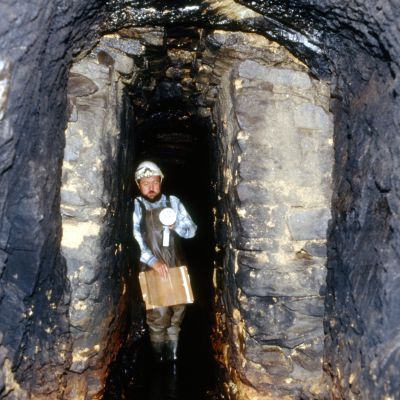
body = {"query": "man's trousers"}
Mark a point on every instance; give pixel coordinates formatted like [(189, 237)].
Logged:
[(165, 323)]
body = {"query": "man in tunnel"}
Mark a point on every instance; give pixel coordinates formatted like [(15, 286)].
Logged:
[(163, 322)]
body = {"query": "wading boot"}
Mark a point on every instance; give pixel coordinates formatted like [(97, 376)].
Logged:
[(158, 351), (171, 350)]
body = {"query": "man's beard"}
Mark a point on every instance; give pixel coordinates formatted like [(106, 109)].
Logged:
[(153, 200)]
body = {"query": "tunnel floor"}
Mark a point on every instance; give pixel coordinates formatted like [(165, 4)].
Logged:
[(136, 376), (193, 377)]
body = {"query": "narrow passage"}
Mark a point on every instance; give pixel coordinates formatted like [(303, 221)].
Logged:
[(135, 375)]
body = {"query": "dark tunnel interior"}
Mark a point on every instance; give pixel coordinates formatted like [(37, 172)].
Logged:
[(179, 142)]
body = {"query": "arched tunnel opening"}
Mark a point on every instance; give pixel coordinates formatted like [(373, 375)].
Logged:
[(244, 136), (275, 123)]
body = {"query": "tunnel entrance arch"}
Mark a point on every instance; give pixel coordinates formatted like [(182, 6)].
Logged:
[(271, 137), (358, 45)]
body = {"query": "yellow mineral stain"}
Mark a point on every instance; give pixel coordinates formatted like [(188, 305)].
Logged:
[(98, 211), (262, 258), (241, 212), (215, 278), (236, 262), (69, 187), (112, 35), (67, 165), (11, 385), (75, 233), (232, 10), (80, 305), (228, 180), (225, 354), (242, 135), (238, 84), (270, 224), (81, 355), (237, 317)]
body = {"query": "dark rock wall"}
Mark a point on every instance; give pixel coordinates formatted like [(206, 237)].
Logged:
[(37, 40), (362, 319)]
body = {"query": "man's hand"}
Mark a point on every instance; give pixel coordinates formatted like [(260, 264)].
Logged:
[(161, 268)]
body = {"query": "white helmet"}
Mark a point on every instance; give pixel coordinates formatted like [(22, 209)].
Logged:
[(146, 169)]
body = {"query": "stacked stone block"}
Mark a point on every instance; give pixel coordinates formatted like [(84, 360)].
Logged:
[(95, 205), (275, 139)]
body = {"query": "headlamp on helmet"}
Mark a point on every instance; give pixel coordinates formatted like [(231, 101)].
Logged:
[(146, 169)]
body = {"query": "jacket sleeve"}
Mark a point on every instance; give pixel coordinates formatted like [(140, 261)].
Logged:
[(146, 256), (184, 226)]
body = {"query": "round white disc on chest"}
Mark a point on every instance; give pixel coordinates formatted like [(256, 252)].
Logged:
[(167, 216)]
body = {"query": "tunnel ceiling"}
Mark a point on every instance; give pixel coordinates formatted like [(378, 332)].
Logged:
[(300, 35), (310, 29)]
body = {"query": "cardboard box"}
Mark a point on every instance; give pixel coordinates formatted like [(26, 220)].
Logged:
[(162, 292)]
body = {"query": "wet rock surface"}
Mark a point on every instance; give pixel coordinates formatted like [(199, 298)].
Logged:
[(96, 210), (35, 49), (361, 321), (357, 42), (275, 138)]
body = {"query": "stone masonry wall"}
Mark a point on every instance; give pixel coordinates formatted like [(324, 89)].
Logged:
[(274, 188), (356, 41), (95, 206)]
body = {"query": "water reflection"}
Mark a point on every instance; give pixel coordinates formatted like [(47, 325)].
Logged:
[(138, 377)]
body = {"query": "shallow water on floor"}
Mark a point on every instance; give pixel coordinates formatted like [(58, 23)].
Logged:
[(192, 377)]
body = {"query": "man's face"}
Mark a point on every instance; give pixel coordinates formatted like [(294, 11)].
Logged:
[(150, 188)]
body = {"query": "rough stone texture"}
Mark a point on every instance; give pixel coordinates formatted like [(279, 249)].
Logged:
[(362, 320), (275, 139), (357, 42), (36, 44), (95, 205), (5, 75), (304, 41), (361, 40)]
